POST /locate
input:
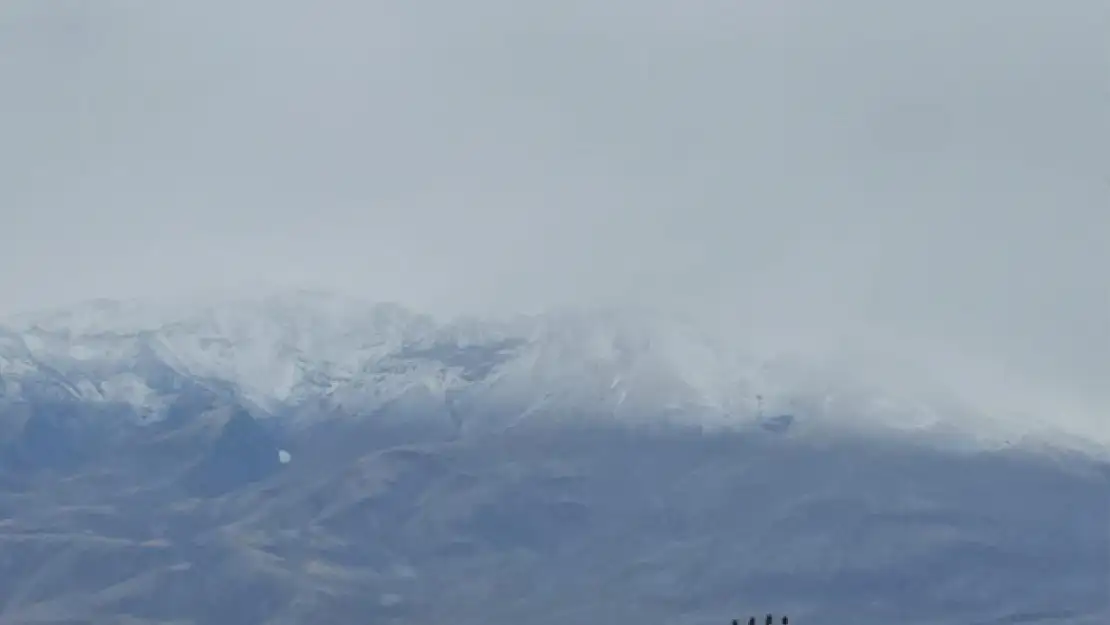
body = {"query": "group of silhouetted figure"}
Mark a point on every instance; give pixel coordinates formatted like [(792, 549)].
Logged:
[(770, 620)]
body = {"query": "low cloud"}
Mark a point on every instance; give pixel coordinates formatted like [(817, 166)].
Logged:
[(936, 171)]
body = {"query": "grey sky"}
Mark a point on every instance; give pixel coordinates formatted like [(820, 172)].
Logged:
[(941, 168)]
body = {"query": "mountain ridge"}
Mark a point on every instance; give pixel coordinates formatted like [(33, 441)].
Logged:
[(312, 354), (330, 463)]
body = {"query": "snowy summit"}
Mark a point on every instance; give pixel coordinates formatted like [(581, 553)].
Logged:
[(307, 355)]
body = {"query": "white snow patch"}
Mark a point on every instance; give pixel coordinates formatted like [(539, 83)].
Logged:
[(284, 457), (88, 391), (13, 366), (33, 343), (129, 389), (84, 352)]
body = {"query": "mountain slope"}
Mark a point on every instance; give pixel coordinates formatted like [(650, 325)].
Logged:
[(305, 458), (583, 525)]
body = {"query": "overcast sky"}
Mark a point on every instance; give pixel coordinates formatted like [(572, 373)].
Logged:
[(942, 168)]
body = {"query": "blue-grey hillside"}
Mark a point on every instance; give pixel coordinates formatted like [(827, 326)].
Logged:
[(308, 459)]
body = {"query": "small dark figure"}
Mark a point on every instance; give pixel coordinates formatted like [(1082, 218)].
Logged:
[(785, 620), (770, 620), (751, 621)]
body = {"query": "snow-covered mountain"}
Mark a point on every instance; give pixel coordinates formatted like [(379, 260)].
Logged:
[(304, 457), (307, 355)]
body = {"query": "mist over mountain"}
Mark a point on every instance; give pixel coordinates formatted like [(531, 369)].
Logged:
[(308, 457), (707, 310)]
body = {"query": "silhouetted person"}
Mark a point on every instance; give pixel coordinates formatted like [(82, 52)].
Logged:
[(751, 621), (785, 621), (770, 620)]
